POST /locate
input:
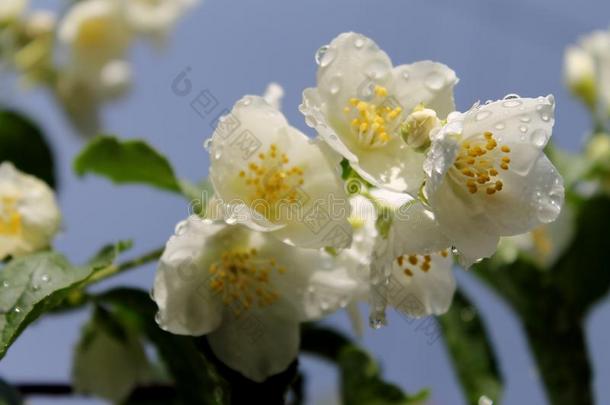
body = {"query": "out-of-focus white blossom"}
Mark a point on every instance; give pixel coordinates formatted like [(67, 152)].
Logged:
[(156, 17), (12, 9), (29, 215)]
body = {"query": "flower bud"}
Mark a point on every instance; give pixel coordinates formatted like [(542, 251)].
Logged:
[(579, 74), (417, 127)]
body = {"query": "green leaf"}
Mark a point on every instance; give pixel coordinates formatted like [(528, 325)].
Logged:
[(9, 395), (110, 360), (471, 350), (196, 381), (23, 144), (127, 161), (35, 284), (361, 381)]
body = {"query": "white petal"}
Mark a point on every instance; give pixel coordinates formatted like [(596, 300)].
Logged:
[(350, 66), (420, 293), (258, 346), (524, 123), (186, 303), (426, 82), (395, 167)]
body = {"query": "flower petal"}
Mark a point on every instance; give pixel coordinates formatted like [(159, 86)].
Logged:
[(187, 305), (426, 82), (257, 346), (418, 293)]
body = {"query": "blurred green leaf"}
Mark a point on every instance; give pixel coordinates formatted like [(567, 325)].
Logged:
[(109, 359), (23, 144), (9, 395), (35, 284), (196, 381), (471, 350), (126, 161), (361, 381)]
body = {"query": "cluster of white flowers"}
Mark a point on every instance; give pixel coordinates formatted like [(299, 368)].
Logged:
[(94, 37), (394, 187)]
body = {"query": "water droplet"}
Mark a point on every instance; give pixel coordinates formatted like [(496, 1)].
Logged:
[(218, 154), (550, 205), (500, 126), (207, 144), (17, 310), (151, 294), (539, 137), (405, 75), (325, 56), (158, 318), (359, 43), (5, 284), (482, 115), (455, 250), (523, 128), (511, 96), (320, 54), (231, 220), (45, 278), (180, 228), (511, 103), (335, 85), (377, 321), (434, 81), (525, 118)]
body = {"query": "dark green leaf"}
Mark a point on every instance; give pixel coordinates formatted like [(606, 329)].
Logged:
[(471, 350), (23, 144), (196, 382), (9, 395), (110, 360), (126, 161), (361, 381)]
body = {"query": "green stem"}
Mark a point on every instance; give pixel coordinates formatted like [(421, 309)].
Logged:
[(114, 270), (563, 362)]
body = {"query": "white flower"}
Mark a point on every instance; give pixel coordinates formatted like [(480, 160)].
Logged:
[(29, 215), (95, 32), (156, 17), (361, 101), (488, 175), (246, 291), (272, 178), (12, 9), (587, 69), (409, 269)]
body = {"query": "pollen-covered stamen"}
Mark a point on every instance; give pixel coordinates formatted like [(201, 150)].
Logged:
[(242, 279), (411, 263), (479, 163), (272, 180), (374, 122), (10, 218)]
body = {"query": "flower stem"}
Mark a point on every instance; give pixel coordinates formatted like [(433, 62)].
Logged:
[(114, 270)]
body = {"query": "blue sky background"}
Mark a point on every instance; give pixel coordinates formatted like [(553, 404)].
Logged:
[(237, 47)]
